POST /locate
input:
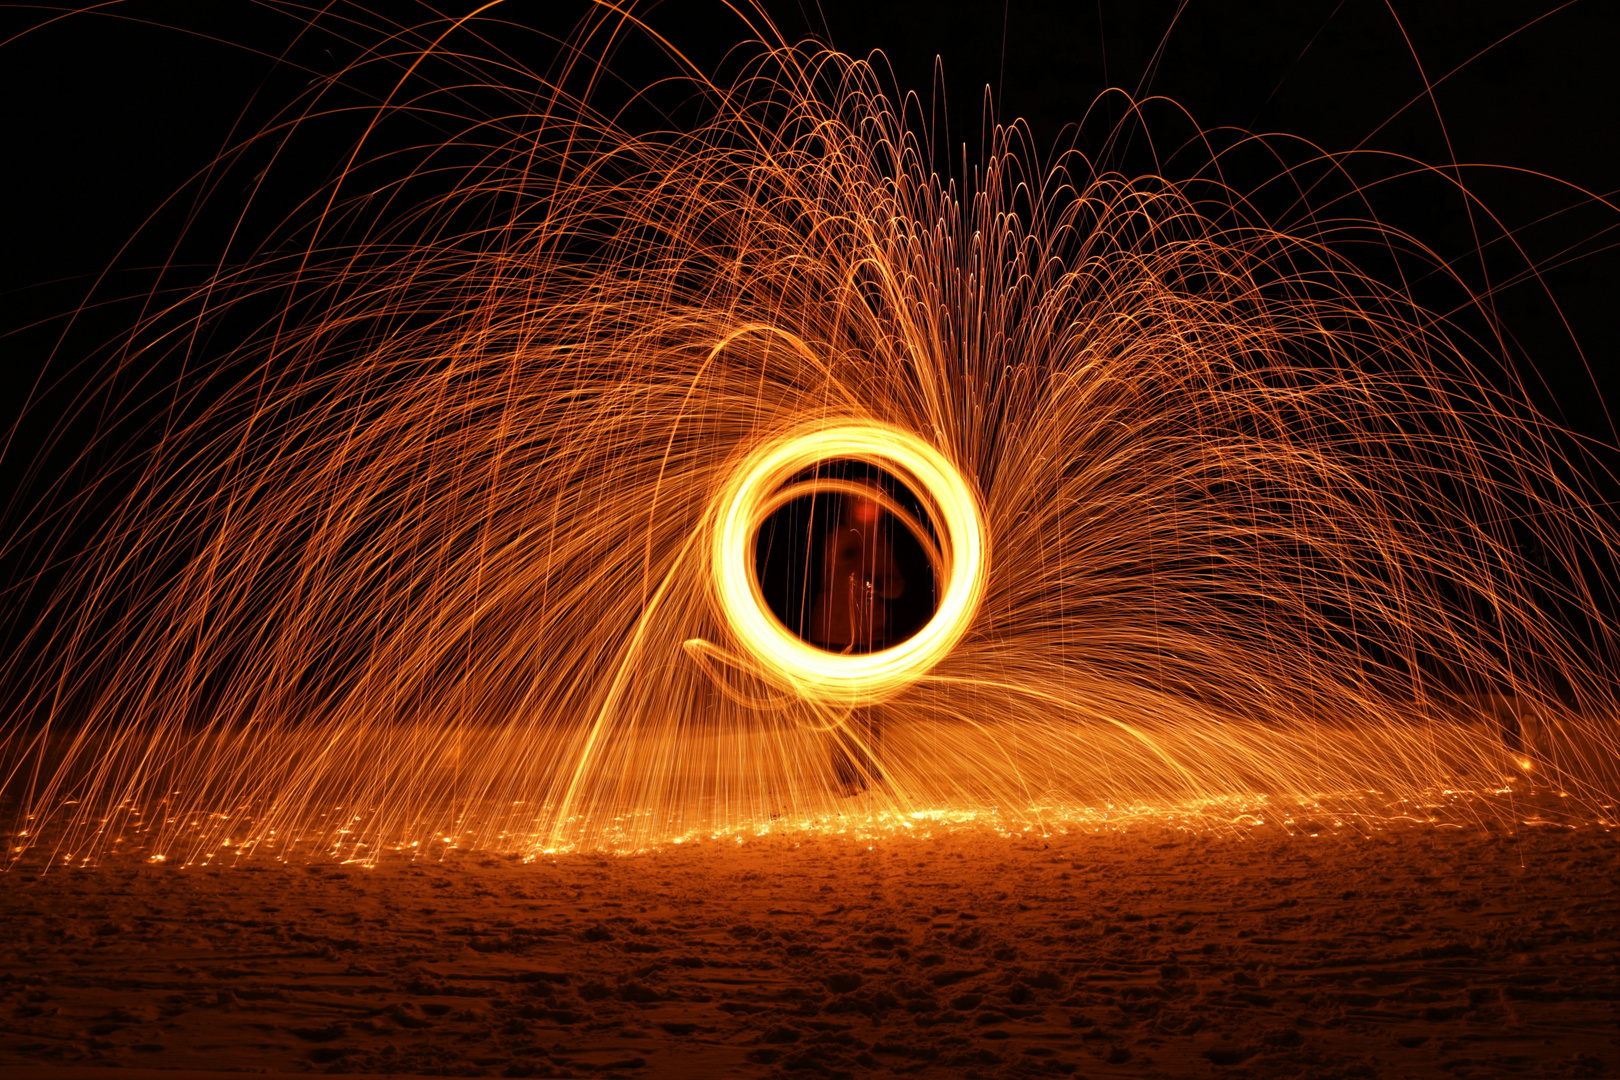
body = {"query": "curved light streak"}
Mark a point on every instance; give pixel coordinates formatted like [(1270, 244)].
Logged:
[(756, 489)]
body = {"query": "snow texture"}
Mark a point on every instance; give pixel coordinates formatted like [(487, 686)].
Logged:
[(1415, 950)]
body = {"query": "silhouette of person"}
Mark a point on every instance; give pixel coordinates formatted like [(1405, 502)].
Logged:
[(850, 615)]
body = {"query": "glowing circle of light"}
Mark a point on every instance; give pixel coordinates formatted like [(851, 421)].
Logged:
[(782, 656)]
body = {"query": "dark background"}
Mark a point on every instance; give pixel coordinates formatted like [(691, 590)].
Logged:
[(111, 121)]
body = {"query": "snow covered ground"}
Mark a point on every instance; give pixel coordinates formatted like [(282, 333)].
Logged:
[(1411, 949)]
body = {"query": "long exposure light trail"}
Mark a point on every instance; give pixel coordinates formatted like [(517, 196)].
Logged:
[(463, 540), (785, 658)]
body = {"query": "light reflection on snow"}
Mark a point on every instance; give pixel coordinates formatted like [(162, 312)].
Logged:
[(228, 838)]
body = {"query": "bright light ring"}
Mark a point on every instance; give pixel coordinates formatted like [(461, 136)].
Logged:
[(788, 660)]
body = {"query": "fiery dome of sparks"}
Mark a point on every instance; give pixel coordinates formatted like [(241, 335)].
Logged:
[(462, 543)]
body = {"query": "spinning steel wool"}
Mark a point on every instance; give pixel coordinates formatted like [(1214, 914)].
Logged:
[(472, 541)]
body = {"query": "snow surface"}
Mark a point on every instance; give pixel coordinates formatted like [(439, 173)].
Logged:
[(1415, 949)]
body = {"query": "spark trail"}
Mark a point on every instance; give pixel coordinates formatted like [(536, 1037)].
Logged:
[(469, 551)]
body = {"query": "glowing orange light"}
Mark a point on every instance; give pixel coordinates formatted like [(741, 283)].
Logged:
[(1243, 493), (788, 660)]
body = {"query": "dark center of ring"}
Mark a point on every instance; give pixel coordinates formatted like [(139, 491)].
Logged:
[(841, 571)]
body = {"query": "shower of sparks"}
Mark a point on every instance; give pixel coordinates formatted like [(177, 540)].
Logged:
[(467, 557)]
